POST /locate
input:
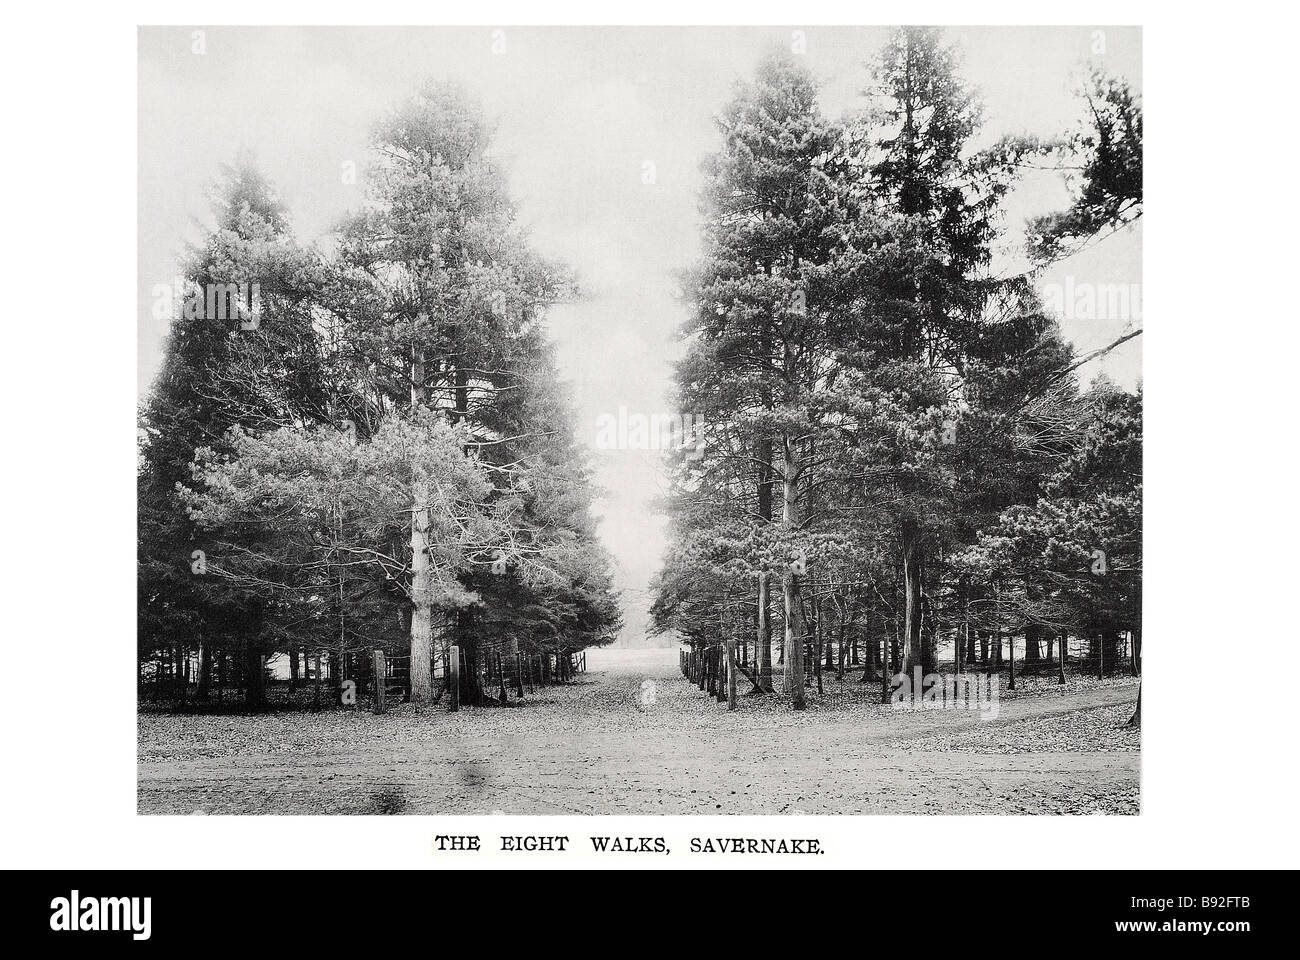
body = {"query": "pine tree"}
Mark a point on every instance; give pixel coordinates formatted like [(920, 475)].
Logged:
[(758, 342)]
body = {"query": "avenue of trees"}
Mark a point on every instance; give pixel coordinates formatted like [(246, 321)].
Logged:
[(373, 452), (897, 449)]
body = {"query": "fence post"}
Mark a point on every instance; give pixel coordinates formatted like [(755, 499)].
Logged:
[(380, 681), (453, 679)]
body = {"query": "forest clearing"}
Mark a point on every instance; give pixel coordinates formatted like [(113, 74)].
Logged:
[(591, 747), (396, 532), (579, 447)]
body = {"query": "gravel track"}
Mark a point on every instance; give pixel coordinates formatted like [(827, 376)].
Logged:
[(593, 748)]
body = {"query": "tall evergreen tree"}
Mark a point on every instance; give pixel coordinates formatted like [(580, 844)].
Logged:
[(438, 291), (758, 341), (241, 351)]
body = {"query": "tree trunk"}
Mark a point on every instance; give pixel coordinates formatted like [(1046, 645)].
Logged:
[(254, 669), (1031, 646), (826, 638), (764, 633), (819, 638), (763, 652), (1060, 660), (731, 674), (871, 651), (183, 655), (794, 639), (1136, 719), (422, 607), (795, 629), (293, 666), (1104, 649), (471, 684), (502, 696), (913, 655), (205, 670), (929, 631), (884, 670)]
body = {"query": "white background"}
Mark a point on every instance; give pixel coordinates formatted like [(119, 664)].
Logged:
[(1220, 707)]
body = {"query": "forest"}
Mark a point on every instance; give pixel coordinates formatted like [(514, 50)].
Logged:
[(364, 443), (894, 452)]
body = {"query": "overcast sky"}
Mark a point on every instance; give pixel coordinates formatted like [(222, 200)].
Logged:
[(579, 113)]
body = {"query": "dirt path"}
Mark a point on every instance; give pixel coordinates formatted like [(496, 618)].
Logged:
[(592, 748)]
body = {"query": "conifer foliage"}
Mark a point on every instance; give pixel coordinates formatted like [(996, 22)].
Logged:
[(370, 449), (896, 453)]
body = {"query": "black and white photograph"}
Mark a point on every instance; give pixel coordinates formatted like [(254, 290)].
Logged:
[(447, 444), (638, 420)]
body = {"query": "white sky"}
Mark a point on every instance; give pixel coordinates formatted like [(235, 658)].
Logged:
[(579, 111)]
